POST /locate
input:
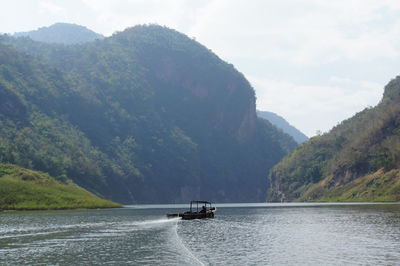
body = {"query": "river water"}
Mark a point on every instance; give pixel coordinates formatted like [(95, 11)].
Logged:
[(240, 234)]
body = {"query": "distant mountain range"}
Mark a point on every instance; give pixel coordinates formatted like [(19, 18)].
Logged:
[(64, 33), (281, 123), (147, 115), (358, 160)]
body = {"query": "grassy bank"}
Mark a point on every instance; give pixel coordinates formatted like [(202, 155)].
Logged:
[(23, 189), (380, 186)]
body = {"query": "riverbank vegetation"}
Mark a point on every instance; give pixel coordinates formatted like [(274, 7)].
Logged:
[(23, 189), (380, 186), (358, 160)]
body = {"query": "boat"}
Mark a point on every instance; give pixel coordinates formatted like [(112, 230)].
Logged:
[(198, 210)]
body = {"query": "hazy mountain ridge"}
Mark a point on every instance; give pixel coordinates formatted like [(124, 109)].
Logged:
[(357, 160), (281, 123), (63, 33), (156, 117)]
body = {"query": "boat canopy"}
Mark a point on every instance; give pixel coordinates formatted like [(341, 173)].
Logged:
[(200, 201), (194, 204)]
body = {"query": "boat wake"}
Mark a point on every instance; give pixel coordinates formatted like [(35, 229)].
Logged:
[(176, 239), (157, 221), (187, 250), (146, 242)]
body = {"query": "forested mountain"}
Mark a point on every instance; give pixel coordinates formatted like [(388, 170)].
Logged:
[(64, 33), (357, 160), (281, 123), (147, 115)]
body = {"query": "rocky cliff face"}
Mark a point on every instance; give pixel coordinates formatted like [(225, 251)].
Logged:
[(248, 126)]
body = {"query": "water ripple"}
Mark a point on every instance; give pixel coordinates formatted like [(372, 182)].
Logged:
[(299, 235)]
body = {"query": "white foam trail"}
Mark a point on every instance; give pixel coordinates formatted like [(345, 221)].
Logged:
[(31, 234), (185, 248), (48, 228), (28, 231), (145, 223), (159, 221)]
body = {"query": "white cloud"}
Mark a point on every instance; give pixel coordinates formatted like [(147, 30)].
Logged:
[(49, 7), (300, 31), (119, 14), (340, 80)]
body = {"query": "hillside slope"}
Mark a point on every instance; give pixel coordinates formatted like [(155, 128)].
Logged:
[(357, 160), (281, 123), (147, 115), (23, 189)]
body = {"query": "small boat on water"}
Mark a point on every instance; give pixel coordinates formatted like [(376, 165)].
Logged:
[(198, 210)]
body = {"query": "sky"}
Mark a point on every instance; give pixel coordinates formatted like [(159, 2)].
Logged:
[(314, 62)]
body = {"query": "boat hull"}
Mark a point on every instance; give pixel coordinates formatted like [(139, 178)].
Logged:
[(192, 215), (199, 209), (197, 215)]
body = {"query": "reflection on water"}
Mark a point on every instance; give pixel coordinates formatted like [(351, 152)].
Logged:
[(253, 234)]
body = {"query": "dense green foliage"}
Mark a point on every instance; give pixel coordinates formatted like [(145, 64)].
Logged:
[(358, 147), (64, 33), (282, 124), (147, 115), (23, 189)]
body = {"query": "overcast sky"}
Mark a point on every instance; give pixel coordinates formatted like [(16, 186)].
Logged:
[(314, 62)]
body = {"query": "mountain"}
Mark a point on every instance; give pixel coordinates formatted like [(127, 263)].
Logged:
[(281, 123), (147, 115), (23, 189), (358, 160), (64, 33)]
